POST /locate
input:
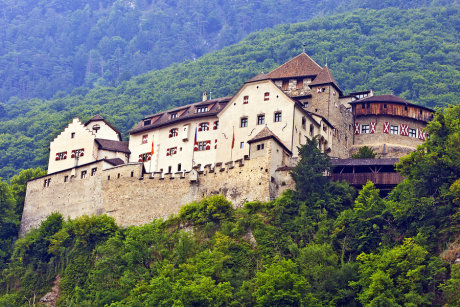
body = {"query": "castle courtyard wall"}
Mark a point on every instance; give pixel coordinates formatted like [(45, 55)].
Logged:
[(132, 197)]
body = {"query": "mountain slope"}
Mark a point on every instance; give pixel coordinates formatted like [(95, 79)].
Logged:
[(58, 45), (411, 53)]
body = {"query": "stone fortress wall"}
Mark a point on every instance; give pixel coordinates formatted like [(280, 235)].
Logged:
[(133, 197)]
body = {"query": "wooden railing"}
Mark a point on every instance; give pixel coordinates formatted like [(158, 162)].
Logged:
[(376, 178)]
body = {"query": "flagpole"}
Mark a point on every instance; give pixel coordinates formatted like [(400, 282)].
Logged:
[(151, 157), (233, 144), (193, 148)]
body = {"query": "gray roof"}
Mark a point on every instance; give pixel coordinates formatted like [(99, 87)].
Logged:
[(184, 113), (111, 145)]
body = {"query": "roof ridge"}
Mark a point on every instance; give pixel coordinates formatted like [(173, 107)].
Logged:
[(300, 65)]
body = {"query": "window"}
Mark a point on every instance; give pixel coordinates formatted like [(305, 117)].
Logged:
[(108, 177), (66, 178), (244, 122), (364, 128), (260, 119), (305, 104), (312, 130), (173, 115), (93, 171), (285, 85), (77, 153), (147, 122), (245, 99), (363, 106), (203, 127), (394, 130), (202, 146), (61, 155), (412, 133), (173, 132), (385, 106), (405, 108), (368, 105), (216, 125), (304, 122), (72, 135), (145, 157), (299, 84), (47, 182), (132, 174), (171, 151), (179, 167), (169, 169), (83, 174), (202, 109), (145, 139), (266, 96), (242, 145), (277, 116), (260, 146), (118, 175)]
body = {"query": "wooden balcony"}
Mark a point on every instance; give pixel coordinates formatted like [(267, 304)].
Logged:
[(379, 179)]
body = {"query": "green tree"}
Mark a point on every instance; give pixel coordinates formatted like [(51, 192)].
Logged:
[(8, 222), (364, 152)]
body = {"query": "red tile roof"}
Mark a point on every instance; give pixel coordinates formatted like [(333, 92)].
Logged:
[(301, 65), (324, 77), (259, 77), (265, 134)]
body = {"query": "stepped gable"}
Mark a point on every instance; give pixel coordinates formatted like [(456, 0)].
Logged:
[(300, 66), (266, 134), (259, 77), (100, 118), (389, 99), (183, 113), (110, 145), (325, 77)]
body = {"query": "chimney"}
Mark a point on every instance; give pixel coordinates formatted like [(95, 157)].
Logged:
[(205, 96)]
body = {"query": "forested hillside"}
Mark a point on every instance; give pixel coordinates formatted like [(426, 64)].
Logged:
[(48, 47), (321, 245), (411, 53)]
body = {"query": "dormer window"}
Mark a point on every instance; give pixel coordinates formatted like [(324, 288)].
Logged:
[(202, 109), (147, 122), (266, 96), (173, 115)]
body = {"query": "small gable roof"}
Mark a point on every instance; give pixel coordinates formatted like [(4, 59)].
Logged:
[(110, 145), (325, 77), (299, 66), (266, 134)]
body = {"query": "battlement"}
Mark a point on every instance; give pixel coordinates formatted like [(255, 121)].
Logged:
[(134, 197)]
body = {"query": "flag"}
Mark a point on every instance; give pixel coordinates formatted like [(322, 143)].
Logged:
[(233, 140), (153, 149), (195, 135)]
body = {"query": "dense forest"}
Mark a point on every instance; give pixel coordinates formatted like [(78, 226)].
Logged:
[(321, 245), (410, 53), (55, 46)]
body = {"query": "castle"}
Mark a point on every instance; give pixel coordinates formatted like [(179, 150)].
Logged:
[(241, 146)]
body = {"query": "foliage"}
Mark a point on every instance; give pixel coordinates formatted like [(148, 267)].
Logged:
[(364, 152), (321, 247), (99, 43), (410, 53)]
